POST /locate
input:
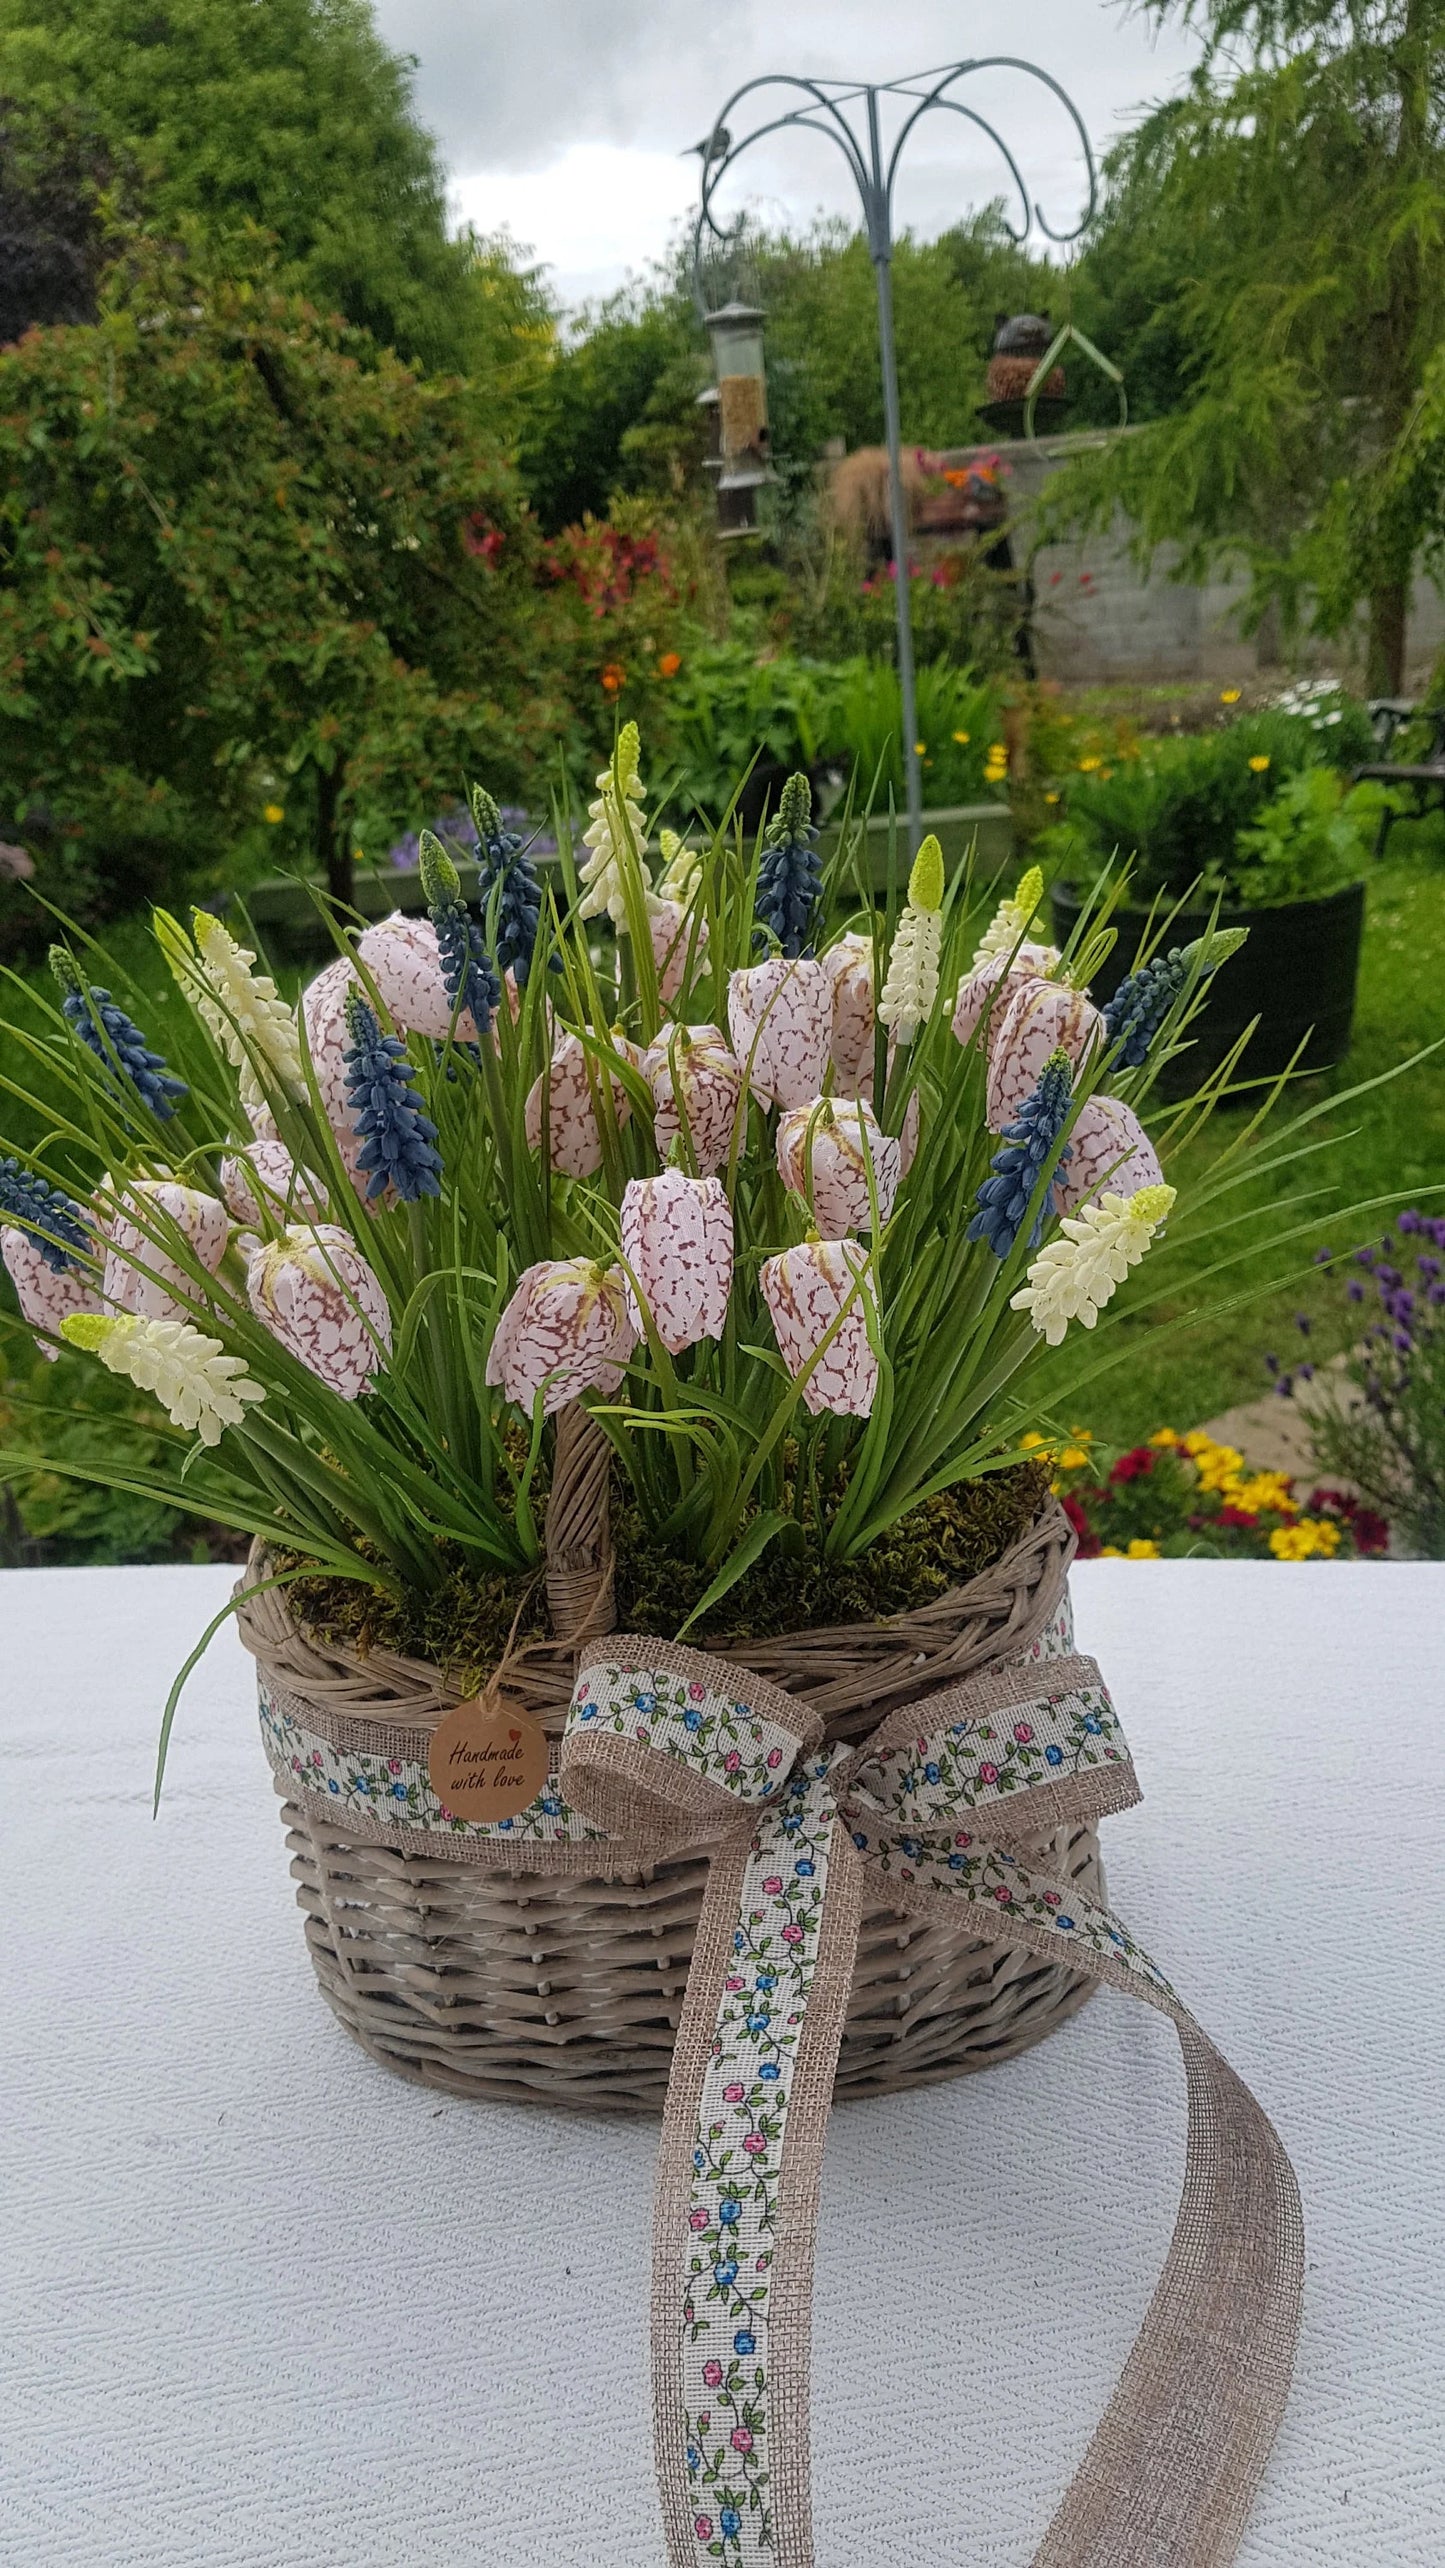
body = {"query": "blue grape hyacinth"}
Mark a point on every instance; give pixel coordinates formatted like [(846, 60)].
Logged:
[(399, 1138), (1004, 1197), (52, 1219), (114, 1038), (790, 877), (505, 874), (1144, 998), (467, 969)]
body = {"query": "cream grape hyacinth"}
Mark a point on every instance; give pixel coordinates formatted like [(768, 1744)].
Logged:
[(912, 983), (203, 1389), (616, 833), (242, 1008), (1076, 1274), (1010, 924)]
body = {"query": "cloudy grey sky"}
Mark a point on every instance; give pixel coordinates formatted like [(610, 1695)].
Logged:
[(566, 120)]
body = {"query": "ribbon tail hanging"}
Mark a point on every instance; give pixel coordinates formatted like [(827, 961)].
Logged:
[(738, 2176)]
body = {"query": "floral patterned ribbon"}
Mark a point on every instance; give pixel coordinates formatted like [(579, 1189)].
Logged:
[(665, 1748), (935, 1802)]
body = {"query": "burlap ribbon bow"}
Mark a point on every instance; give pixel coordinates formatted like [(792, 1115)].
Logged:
[(667, 1748), (671, 1748)]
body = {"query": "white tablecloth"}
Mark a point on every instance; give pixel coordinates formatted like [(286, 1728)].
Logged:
[(264, 2306)]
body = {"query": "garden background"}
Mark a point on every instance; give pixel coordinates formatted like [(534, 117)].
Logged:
[(314, 510)]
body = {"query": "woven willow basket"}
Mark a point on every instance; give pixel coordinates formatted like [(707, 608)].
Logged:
[(564, 1990)]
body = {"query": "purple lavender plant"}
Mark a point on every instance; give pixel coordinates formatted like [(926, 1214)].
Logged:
[(1382, 1423)]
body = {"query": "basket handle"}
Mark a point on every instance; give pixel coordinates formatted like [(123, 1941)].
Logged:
[(579, 1551)]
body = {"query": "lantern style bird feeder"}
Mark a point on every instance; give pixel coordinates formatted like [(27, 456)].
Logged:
[(739, 403)]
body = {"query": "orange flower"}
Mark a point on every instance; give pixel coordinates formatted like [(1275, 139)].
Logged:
[(614, 677), (668, 665)]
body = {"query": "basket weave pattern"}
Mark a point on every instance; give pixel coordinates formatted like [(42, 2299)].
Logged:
[(566, 1989)]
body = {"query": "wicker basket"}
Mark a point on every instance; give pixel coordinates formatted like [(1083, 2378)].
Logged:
[(565, 1990)]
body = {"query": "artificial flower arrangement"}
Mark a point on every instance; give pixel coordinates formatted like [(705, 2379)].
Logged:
[(1192, 1497), (771, 1233), (816, 1218)]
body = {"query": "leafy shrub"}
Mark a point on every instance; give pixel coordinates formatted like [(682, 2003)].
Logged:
[(1179, 807), (1190, 1497), (1314, 838)]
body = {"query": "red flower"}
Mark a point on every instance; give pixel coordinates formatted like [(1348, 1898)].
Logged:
[(669, 664), (1133, 1466), (1237, 1519), (1371, 1533), (614, 678), (1089, 1544)]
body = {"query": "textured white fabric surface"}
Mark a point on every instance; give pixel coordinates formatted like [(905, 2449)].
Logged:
[(263, 2306)]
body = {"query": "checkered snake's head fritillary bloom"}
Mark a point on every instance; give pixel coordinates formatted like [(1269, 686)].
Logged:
[(677, 1239), (675, 938), (266, 1170), (48, 1295), (987, 988), (320, 1300), (695, 1074), (141, 1274), (573, 1099), (1108, 1146), (806, 1290), (834, 1139), (1045, 1017), (402, 956), (849, 966), (323, 1013), (780, 1016), (567, 1326)]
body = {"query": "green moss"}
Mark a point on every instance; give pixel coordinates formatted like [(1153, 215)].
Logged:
[(463, 1627)]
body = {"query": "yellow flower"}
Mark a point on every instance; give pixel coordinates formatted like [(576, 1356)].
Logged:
[(998, 753), (1318, 1538), (919, 748), (1230, 695), (1197, 1442), (1090, 766), (1082, 1435), (1267, 1489), (1140, 1550), (1111, 1551), (1073, 1458), (1257, 766), (1051, 798), (962, 738), (274, 812), (1164, 1436), (1031, 1439)]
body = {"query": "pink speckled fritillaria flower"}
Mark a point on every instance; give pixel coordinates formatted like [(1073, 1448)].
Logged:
[(677, 1238), (266, 1169), (675, 939), (318, 1297), (574, 1132), (1108, 1147), (401, 955), (323, 1013), (780, 1015), (1043, 1017), (805, 1290), (141, 1275), (993, 984), (45, 1296), (567, 1319), (837, 1139), (849, 966), (694, 1073)]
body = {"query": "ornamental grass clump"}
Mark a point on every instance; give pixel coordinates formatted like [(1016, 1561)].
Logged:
[(815, 1213)]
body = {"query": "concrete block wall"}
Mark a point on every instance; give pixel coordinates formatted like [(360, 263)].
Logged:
[(1097, 618)]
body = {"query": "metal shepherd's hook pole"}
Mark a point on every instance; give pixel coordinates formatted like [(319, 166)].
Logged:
[(821, 109), (880, 250)]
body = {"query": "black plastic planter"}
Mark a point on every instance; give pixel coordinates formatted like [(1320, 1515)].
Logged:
[(1297, 974)]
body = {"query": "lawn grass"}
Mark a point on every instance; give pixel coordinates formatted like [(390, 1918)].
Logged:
[(1393, 1138)]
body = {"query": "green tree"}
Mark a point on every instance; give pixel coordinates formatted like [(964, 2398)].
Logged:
[(1301, 204), (292, 116), (248, 562)]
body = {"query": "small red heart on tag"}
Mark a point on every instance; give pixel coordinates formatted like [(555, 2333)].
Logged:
[(514, 1736)]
